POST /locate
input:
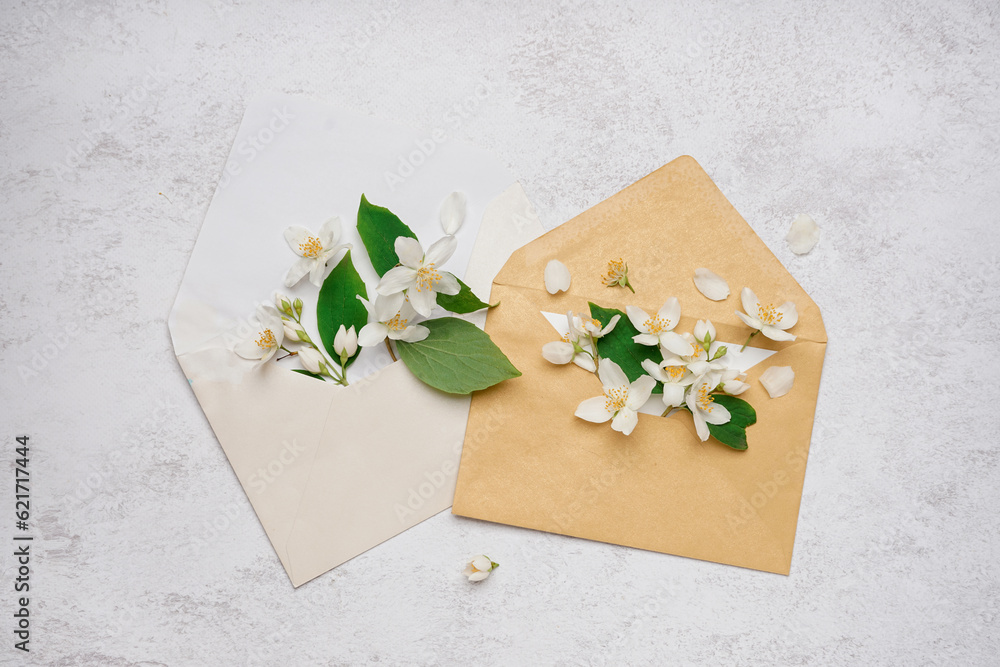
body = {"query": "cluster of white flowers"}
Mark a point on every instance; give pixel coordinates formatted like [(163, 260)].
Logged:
[(694, 368), (579, 345), (404, 293)]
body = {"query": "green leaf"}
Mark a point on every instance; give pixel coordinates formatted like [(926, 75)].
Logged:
[(619, 347), (741, 412), (456, 357), (733, 433), (312, 375), (379, 227), (338, 304), (463, 302)]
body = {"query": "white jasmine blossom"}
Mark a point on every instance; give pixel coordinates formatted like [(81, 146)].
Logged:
[(675, 379), (419, 274), (659, 329), (390, 317), (266, 339), (576, 345), (768, 319), (314, 251), (704, 409), (590, 327), (620, 401), (617, 275)]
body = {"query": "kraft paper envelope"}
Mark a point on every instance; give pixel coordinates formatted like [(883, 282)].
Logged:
[(332, 471), (527, 461)]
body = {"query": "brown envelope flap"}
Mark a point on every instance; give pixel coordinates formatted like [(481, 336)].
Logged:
[(665, 226)]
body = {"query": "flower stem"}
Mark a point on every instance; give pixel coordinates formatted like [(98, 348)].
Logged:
[(595, 356), (388, 346), (748, 340), (339, 378)]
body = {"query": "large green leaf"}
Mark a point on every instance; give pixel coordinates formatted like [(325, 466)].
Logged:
[(457, 357), (619, 347), (733, 433), (338, 304), (463, 302), (379, 227)]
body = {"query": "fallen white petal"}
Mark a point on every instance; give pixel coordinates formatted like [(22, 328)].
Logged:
[(778, 380), (803, 234), (711, 285), (453, 212), (557, 277)]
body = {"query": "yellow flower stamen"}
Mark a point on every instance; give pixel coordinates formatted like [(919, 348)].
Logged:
[(266, 340), (614, 399), (704, 399), (312, 247), (427, 277), (616, 270), (768, 314), (675, 372), (657, 325), (397, 323)]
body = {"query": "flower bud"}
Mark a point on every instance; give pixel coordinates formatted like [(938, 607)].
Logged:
[(312, 360), (479, 568), (291, 331), (297, 304), (734, 387), (704, 332), (345, 343), (559, 352), (283, 303)]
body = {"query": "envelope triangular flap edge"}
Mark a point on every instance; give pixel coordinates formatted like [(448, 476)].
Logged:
[(671, 222)]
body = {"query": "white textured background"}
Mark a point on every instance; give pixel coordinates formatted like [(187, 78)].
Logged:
[(879, 118)]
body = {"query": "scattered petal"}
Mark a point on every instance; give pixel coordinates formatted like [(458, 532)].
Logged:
[(777, 380), (557, 278), (803, 235), (711, 285), (453, 212)]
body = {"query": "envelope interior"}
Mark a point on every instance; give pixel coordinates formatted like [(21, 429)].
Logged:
[(527, 461)]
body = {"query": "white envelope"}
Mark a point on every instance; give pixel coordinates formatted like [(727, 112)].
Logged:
[(332, 471)]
